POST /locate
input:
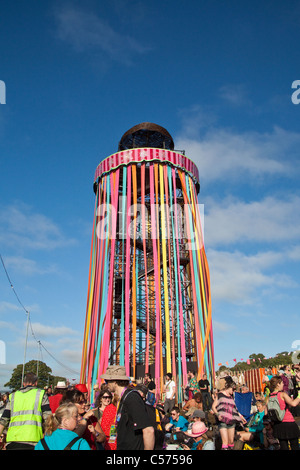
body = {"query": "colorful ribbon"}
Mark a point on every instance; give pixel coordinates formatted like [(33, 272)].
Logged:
[(149, 300)]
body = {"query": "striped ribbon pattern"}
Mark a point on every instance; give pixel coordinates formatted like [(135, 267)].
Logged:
[(161, 312)]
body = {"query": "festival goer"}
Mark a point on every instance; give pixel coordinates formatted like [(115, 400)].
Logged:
[(270, 442), (96, 393), (55, 399), (83, 389), (193, 384), (133, 426), (286, 431), (49, 391), (59, 430), (170, 393), (204, 387), (2, 441), (254, 428), (194, 404), (198, 415), (177, 421), (150, 398), (88, 426), (108, 423), (104, 399), (201, 439), (25, 429), (3, 402), (154, 416), (227, 414)]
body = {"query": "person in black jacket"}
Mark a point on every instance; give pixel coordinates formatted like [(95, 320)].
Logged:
[(134, 429)]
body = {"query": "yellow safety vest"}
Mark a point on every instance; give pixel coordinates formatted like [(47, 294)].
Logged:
[(26, 416)]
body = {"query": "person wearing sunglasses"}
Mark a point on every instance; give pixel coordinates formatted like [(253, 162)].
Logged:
[(177, 421), (103, 400)]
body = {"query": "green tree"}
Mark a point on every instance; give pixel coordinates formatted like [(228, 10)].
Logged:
[(37, 367)]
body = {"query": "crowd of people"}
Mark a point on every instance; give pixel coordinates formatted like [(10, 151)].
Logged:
[(131, 415)]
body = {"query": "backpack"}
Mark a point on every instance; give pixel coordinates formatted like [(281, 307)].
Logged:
[(150, 398), (68, 447), (275, 413)]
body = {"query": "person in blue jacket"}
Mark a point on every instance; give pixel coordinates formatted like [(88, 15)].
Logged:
[(59, 431)]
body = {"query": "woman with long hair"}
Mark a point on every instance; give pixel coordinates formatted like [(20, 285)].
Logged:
[(104, 399), (287, 430)]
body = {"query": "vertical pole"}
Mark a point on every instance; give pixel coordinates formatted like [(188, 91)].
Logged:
[(25, 349)]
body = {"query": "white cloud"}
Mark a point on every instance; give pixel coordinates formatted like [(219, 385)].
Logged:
[(46, 331), (27, 266), (237, 277), (294, 253), (72, 355), (85, 31), (22, 228), (270, 220), (221, 326), (226, 155), (7, 306)]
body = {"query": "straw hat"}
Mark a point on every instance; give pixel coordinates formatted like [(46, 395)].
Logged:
[(115, 373)]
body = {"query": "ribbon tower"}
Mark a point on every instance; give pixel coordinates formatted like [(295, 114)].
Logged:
[(149, 302)]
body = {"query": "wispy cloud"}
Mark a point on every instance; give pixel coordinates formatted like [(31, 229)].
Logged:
[(22, 228), (236, 277), (235, 95), (85, 31), (9, 307), (223, 154), (43, 331), (270, 220), (28, 266)]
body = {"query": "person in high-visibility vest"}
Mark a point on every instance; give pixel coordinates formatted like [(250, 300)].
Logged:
[(24, 414)]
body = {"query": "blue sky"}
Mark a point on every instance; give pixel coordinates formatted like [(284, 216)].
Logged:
[(218, 76)]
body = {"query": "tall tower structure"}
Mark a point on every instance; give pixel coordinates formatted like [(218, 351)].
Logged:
[(149, 301)]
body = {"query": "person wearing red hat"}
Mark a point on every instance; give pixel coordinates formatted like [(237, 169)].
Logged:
[(83, 389)]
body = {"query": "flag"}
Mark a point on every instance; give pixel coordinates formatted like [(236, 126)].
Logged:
[(248, 361), (220, 363), (234, 360)]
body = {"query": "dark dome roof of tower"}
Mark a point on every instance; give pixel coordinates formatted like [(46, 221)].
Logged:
[(146, 134)]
